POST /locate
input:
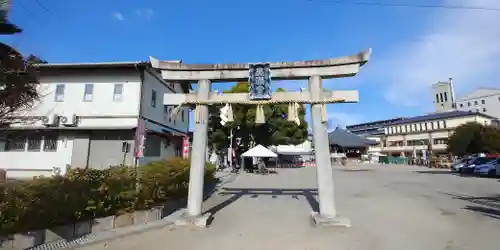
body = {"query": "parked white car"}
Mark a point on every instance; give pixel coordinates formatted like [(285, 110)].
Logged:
[(488, 168)]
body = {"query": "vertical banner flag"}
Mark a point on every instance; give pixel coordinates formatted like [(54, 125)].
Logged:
[(185, 147), (140, 137)]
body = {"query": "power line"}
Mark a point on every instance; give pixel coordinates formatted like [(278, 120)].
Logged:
[(44, 7), (48, 11), (434, 6)]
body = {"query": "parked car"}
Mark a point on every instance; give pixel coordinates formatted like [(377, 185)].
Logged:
[(488, 168), (471, 165), (498, 169), (455, 167)]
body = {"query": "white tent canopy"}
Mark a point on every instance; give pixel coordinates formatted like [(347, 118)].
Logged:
[(377, 154), (259, 151), (290, 150)]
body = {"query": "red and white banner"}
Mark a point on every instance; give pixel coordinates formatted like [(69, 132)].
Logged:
[(140, 137), (185, 147)]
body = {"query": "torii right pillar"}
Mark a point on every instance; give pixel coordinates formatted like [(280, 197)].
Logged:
[(327, 214)]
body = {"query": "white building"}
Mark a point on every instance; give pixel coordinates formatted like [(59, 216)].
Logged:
[(483, 100), (444, 96), (413, 134), (86, 114)]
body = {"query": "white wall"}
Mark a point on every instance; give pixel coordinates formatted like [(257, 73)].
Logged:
[(102, 103), (451, 124), (157, 113), (28, 164), (475, 104)]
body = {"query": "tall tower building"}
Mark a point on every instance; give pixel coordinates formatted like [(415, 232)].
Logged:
[(443, 96)]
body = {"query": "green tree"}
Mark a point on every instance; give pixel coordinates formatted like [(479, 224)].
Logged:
[(18, 83), (473, 138), (35, 59), (7, 28), (276, 131)]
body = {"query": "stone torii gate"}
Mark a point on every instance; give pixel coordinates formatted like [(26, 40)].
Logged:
[(314, 71)]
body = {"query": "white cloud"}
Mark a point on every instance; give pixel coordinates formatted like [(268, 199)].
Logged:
[(342, 119), (463, 44), (146, 13), (118, 16)]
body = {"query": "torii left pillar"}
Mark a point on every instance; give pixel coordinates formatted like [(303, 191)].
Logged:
[(193, 214)]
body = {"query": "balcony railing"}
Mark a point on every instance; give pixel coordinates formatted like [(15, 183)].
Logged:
[(410, 148)]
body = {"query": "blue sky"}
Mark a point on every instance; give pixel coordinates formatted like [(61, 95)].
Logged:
[(412, 47)]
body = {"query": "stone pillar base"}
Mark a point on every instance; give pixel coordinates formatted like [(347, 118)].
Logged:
[(320, 221), (183, 219)]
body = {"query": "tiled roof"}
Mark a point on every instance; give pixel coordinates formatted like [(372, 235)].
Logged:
[(91, 65), (347, 139), (374, 123), (438, 116)]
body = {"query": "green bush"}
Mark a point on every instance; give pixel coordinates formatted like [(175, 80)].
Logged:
[(88, 193)]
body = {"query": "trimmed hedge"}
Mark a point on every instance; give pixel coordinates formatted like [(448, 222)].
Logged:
[(84, 194)]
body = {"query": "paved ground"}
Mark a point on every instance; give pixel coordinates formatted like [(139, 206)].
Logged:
[(390, 207)]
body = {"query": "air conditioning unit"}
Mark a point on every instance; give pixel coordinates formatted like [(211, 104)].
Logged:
[(51, 120), (69, 120)]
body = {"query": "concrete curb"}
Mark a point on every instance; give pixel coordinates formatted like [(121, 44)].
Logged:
[(96, 238)]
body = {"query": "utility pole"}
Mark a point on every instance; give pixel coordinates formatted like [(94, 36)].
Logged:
[(224, 118), (230, 149)]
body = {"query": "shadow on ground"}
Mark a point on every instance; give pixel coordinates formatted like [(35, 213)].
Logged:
[(443, 172), (236, 193), (355, 170), (485, 205)]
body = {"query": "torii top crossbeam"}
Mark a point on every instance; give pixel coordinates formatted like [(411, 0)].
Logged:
[(298, 70)]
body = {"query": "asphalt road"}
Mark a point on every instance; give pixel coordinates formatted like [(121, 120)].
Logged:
[(390, 207)]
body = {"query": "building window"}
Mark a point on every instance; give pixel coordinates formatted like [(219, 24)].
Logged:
[(468, 104), (445, 97), (89, 93), (153, 98), (438, 124), (50, 143), (444, 124), (484, 109), (118, 92), (34, 142), (441, 97), (475, 103), (441, 141), (165, 113), (182, 115), (437, 98), (166, 143), (483, 101), (461, 105), (59, 97), (170, 114), (15, 143)]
